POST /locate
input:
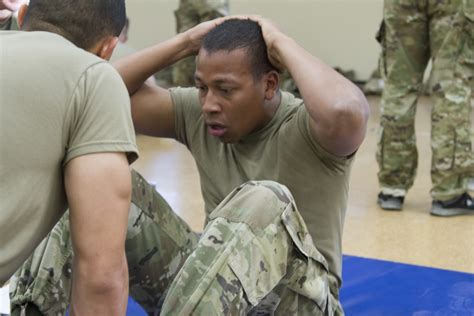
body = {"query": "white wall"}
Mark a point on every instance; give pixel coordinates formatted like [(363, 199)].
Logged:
[(340, 32)]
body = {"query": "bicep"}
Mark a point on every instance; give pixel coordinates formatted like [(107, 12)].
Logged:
[(153, 111), (343, 136), (98, 188)]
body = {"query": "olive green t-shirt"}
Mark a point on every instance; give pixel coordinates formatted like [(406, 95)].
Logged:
[(283, 151), (57, 102)]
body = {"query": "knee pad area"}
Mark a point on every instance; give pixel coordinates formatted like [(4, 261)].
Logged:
[(256, 203)]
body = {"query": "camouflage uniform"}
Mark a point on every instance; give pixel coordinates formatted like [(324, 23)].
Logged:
[(412, 30), (255, 256), (189, 14)]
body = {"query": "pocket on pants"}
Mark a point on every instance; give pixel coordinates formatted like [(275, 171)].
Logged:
[(308, 273)]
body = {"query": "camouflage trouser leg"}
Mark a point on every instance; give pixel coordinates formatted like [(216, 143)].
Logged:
[(405, 54), (190, 13), (255, 256), (44, 280), (158, 242), (414, 30), (453, 75)]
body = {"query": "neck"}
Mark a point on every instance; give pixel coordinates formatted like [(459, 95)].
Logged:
[(272, 105)]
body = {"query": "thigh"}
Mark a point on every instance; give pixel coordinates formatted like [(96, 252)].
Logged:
[(405, 42), (255, 242)]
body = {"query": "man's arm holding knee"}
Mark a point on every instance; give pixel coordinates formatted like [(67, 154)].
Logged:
[(98, 187)]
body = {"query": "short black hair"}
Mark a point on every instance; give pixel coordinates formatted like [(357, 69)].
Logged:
[(234, 34), (83, 22)]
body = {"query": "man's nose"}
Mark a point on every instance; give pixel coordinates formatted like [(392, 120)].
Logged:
[(210, 103)]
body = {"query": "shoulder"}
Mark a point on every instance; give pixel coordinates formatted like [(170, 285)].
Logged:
[(60, 51), (185, 97), (295, 130)]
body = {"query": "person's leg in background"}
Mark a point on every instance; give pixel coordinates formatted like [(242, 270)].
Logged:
[(452, 42), (158, 242), (189, 14), (254, 257), (405, 54)]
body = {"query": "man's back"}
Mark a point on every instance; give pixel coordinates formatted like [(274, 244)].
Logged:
[(52, 96)]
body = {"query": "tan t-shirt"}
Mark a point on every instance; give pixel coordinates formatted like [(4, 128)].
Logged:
[(57, 102), (283, 151)]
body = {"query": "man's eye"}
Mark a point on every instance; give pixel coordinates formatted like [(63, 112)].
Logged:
[(225, 90)]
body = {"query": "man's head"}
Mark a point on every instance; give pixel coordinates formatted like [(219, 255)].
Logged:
[(246, 34), (238, 85), (86, 23)]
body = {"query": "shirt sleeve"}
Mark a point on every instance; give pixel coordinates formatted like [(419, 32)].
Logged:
[(330, 160), (99, 116), (187, 113)]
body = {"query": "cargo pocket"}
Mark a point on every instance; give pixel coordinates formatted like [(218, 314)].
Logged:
[(307, 274)]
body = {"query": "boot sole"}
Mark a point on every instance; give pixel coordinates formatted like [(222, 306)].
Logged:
[(447, 212), (389, 206)]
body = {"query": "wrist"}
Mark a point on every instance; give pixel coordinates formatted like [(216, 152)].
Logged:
[(186, 47), (282, 42)]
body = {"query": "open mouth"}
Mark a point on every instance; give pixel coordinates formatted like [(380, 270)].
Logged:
[(216, 130)]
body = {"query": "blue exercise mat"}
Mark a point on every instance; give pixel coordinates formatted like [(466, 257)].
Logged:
[(377, 287)]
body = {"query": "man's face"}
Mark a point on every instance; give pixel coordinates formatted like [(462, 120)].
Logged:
[(232, 100), (11, 5)]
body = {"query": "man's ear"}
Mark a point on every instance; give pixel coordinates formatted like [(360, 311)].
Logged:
[(272, 80), (22, 14), (106, 47)]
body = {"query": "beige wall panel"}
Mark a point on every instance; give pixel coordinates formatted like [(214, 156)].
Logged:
[(340, 32)]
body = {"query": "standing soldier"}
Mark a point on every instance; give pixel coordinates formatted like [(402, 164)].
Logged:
[(414, 31)]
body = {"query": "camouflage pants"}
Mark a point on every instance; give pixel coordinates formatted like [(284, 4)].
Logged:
[(255, 256), (414, 31), (190, 13)]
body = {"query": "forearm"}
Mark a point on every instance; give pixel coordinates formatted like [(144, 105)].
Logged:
[(138, 67), (102, 290), (338, 109), (327, 94)]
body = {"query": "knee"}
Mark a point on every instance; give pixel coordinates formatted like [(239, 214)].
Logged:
[(257, 203)]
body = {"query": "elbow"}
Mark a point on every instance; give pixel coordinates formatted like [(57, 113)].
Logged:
[(350, 125), (363, 105), (352, 114)]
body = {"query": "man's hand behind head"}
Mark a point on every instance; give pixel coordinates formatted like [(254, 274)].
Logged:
[(196, 34)]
